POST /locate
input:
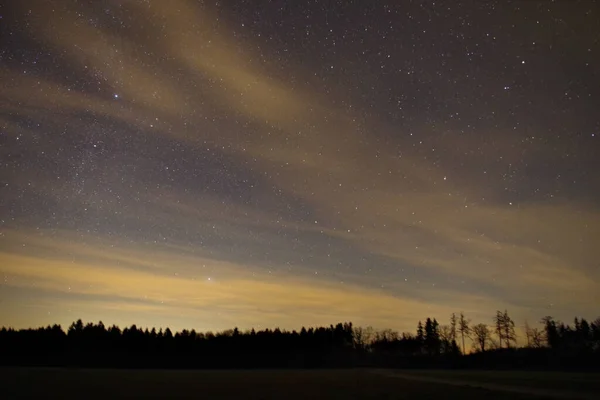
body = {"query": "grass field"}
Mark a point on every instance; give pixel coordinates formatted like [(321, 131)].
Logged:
[(557, 382), (17, 383)]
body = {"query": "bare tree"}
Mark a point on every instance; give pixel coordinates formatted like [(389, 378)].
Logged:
[(445, 333), (493, 344), (536, 337), (463, 328), (527, 333), (363, 337), (481, 336), (385, 335)]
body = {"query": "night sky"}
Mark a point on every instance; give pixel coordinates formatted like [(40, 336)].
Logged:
[(284, 163)]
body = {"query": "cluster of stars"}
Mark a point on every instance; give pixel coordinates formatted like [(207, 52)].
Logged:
[(377, 146)]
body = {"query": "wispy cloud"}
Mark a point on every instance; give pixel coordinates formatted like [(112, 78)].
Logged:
[(311, 187)]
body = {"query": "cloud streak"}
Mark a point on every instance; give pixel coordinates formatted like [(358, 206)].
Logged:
[(305, 209)]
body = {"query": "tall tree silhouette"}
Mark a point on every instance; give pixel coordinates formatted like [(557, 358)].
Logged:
[(499, 326), (505, 328), (453, 327), (432, 337), (551, 330), (528, 333), (463, 329), (481, 336), (420, 333), (535, 336), (509, 329)]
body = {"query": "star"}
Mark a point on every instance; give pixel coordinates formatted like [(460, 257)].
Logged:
[(286, 153)]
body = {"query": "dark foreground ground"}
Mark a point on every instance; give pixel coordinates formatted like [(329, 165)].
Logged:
[(18, 383)]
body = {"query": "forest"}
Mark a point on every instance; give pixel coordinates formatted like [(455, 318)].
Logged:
[(458, 344)]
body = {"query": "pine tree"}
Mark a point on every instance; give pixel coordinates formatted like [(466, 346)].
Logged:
[(429, 336), (420, 334)]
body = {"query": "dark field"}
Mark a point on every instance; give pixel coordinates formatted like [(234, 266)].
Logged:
[(16, 383), (576, 384)]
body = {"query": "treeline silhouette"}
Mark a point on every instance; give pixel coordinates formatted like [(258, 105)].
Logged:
[(554, 345)]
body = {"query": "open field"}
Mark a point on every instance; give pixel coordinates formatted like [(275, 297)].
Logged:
[(17, 383), (555, 382)]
